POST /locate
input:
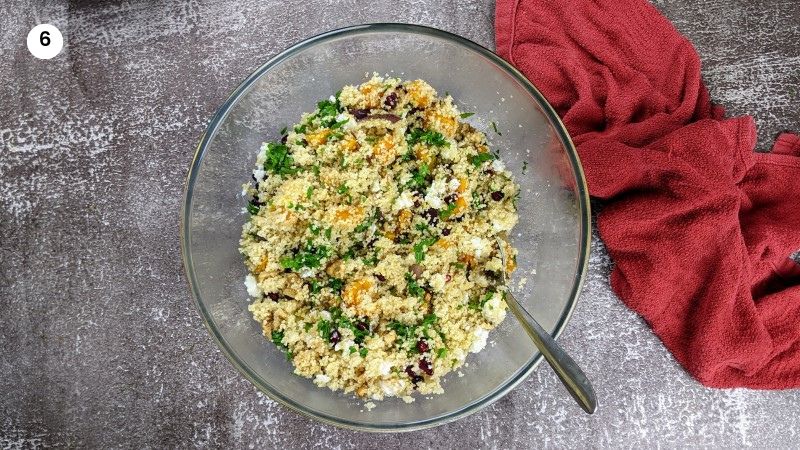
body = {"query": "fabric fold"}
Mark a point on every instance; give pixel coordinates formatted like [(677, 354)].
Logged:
[(699, 226)]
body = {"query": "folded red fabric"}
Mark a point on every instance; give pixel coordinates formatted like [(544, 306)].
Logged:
[(700, 228)]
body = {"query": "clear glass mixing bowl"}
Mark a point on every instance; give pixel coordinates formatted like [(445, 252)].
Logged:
[(552, 235)]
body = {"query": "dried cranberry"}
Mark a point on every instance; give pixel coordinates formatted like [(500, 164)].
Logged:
[(413, 110), (448, 278), (335, 337), (422, 346), (432, 215), (414, 377), (359, 114), (380, 277), (283, 139), (446, 232), (391, 100), (450, 199), (497, 196), (425, 366), (362, 325), (273, 296)]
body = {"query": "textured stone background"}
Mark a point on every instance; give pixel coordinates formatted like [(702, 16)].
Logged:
[(101, 345)]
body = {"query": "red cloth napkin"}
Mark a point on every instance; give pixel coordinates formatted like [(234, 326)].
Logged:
[(699, 226)]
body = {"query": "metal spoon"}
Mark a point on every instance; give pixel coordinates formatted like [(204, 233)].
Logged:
[(567, 370)]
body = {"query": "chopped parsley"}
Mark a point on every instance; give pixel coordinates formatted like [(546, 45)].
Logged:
[(343, 189), (283, 131), (308, 256), (371, 261), (419, 178), (524, 167), (277, 338), (363, 352), (494, 127), (252, 208), (309, 191), (414, 288), (466, 114), (422, 246), (352, 349), (481, 158), (441, 353), (429, 137), (478, 302), (278, 160), (336, 285), (325, 329), (314, 229), (407, 334), (448, 211)]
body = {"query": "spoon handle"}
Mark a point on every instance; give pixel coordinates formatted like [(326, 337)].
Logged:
[(567, 370)]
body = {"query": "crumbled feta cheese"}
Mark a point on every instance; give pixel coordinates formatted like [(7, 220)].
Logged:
[(391, 387), (454, 184), (369, 405), (435, 193), (253, 290), (405, 200), (321, 378), (385, 368), (262, 156), (498, 165), (376, 186), (307, 272), (325, 315), (259, 174), (344, 346), (480, 340), (331, 98), (493, 309), (479, 246)]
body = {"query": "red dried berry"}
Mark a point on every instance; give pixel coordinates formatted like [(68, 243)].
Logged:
[(422, 346), (425, 366)]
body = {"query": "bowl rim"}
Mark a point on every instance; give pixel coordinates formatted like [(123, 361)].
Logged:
[(582, 198)]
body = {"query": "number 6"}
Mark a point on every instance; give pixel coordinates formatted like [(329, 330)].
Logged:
[(44, 38)]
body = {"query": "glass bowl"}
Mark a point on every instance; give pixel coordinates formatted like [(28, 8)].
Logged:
[(552, 235)]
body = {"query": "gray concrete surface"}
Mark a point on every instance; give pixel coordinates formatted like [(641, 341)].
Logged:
[(100, 343)]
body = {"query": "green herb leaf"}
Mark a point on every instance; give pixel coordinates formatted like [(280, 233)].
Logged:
[(278, 160), (467, 114), (422, 246), (419, 178), (414, 288), (283, 130), (309, 256), (252, 209), (448, 211), (309, 192), (336, 285), (494, 127), (428, 137), (352, 349), (480, 158), (441, 353), (363, 352), (325, 329)]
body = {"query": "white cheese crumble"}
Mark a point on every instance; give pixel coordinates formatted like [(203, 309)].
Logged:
[(385, 368), (404, 201), (259, 174), (493, 309), (480, 340), (498, 165), (478, 245), (453, 184), (434, 195), (321, 378), (253, 290)]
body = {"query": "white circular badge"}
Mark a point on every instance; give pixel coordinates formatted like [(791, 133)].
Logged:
[(45, 41)]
